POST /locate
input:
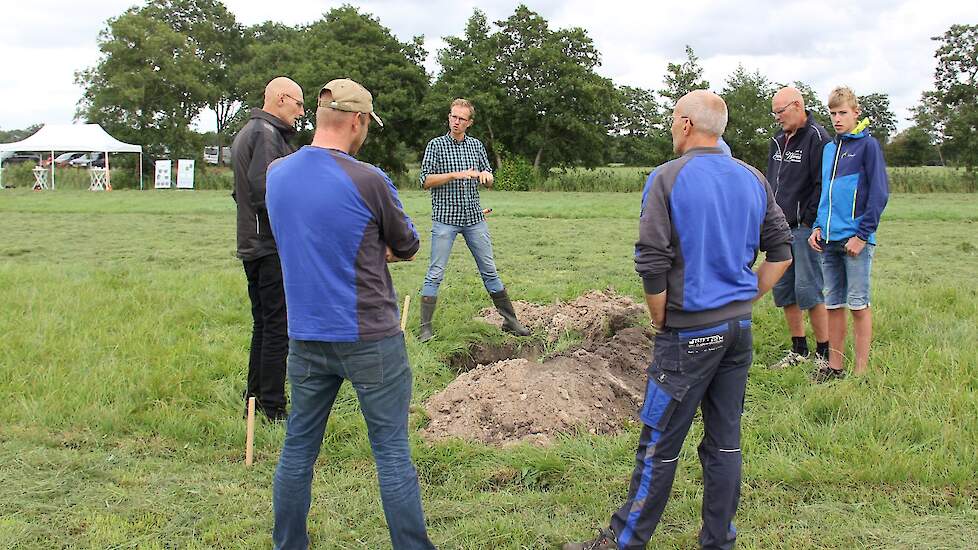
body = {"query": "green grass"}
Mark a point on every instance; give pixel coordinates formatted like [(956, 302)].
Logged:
[(608, 179), (125, 331), (124, 176)]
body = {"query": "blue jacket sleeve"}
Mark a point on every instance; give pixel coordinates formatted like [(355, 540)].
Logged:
[(879, 190), (822, 214)]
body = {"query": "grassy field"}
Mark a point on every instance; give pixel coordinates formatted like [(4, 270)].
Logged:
[(613, 179), (125, 331)]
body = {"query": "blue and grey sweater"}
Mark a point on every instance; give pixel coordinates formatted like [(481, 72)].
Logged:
[(333, 218), (704, 217)]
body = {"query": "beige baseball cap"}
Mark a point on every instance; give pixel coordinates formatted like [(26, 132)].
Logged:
[(350, 96)]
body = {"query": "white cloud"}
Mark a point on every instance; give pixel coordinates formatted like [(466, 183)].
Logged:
[(873, 46)]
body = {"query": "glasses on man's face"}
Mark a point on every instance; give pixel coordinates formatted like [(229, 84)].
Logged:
[(454, 118), (298, 102), (778, 112)]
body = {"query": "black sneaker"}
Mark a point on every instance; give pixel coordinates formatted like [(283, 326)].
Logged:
[(826, 374), (604, 541), (276, 415)]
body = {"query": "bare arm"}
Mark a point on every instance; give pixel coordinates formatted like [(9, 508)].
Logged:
[(769, 273), (435, 180), (657, 309)]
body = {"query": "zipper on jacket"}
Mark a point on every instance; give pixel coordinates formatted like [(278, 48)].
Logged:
[(835, 166), (257, 226), (780, 164)]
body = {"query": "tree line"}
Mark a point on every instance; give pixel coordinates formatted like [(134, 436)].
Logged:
[(539, 98)]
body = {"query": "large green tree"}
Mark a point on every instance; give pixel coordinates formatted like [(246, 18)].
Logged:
[(882, 123), (955, 97), (219, 41), (469, 69), (640, 136), (148, 85), (749, 123), (10, 136), (346, 43), (549, 105), (560, 107), (682, 78)]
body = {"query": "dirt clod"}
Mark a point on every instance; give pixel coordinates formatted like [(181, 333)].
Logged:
[(594, 387)]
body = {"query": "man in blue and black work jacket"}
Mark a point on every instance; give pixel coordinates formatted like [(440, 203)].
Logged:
[(704, 217)]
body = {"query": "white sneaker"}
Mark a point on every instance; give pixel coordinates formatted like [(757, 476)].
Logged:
[(819, 362), (790, 360)]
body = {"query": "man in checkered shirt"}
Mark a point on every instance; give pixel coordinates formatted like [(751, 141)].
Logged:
[(453, 167)]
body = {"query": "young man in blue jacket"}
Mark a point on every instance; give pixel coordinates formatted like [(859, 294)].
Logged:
[(855, 189)]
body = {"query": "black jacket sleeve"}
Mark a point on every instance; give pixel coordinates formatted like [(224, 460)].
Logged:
[(266, 147), (775, 235), (814, 155)]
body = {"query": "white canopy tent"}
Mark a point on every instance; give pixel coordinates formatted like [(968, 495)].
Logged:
[(73, 137)]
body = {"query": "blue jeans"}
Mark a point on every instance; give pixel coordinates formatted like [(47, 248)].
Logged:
[(802, 282), (381, 376), (846, 277), (480, 244)]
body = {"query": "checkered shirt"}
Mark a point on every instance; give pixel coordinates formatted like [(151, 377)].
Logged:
[(456, 202)]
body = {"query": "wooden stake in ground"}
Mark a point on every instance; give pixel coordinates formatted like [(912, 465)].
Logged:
[(250, 438), (404, 310)]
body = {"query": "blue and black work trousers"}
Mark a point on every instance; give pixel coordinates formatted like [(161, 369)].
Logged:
[(706, 368)]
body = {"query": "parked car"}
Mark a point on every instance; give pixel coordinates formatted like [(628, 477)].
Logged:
[(89, 160), (13, 157), (61, 160), (210, 155)]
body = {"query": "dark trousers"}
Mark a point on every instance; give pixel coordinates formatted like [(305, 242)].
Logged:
[(702, 368), (269, 336)]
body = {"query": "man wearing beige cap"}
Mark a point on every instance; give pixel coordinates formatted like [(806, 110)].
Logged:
[(337, 221)]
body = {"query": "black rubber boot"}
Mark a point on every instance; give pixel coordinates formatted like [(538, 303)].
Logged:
[(505, 308), (428, 304)]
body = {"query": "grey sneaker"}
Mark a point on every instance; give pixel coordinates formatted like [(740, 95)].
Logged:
[(604, 541), (819, 362), (790, 360), (827, 375)]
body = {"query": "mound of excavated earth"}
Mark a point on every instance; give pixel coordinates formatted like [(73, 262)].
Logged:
[(595, 387), (595, 315)]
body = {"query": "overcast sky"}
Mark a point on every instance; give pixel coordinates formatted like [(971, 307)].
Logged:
[(870, 45)]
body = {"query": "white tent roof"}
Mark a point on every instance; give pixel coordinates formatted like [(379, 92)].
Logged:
[(71, 137)]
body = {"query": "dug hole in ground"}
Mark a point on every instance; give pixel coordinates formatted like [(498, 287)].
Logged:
[(505, 395)]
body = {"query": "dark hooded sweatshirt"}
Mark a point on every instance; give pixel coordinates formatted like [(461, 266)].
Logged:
[(794, 170)]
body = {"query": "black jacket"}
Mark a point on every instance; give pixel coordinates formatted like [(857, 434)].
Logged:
[(794, 170), (263, 139)]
